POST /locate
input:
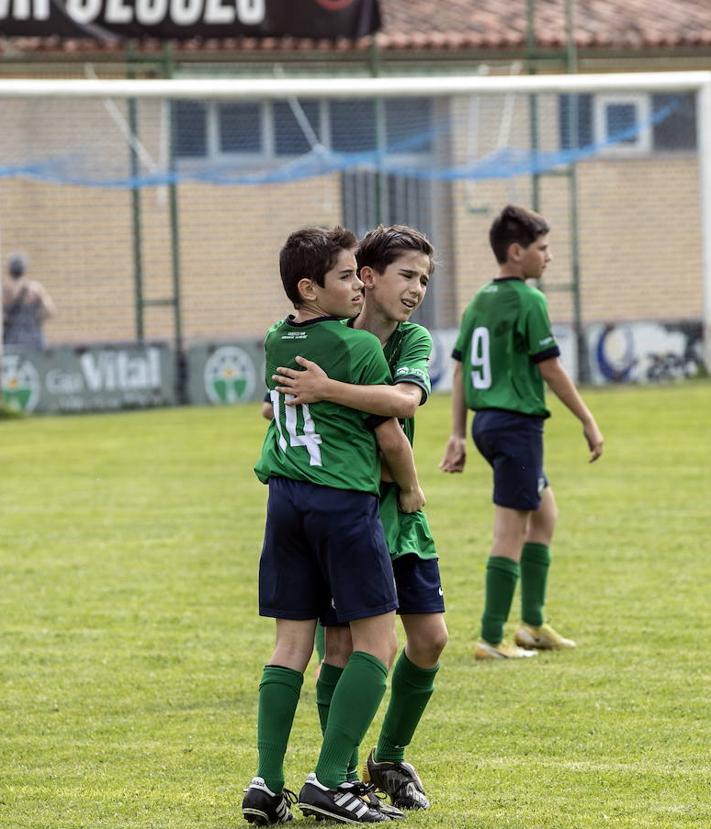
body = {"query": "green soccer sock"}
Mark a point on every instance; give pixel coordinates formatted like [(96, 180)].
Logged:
[(353, 705), (501, 578), (279, 693), (411, 690), (320, 641), (535, 561), (325, 686)]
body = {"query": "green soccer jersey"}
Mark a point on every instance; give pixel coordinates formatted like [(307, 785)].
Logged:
[(323, 443), (505, 331), (407, 351)]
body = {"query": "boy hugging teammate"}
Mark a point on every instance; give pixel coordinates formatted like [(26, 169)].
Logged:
[(323, 533), (395, 265)]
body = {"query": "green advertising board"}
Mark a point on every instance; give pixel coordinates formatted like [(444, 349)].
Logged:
[(88, 379), (224, 373)]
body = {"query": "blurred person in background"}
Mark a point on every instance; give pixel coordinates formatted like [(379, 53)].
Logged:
[(25, 306)]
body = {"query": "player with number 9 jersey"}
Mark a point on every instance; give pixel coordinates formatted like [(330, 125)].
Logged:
[(504, 333), (323, 443), (504, 353)]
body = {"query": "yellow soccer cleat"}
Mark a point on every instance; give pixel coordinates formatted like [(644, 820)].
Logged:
[(504, 650), (543, 638)]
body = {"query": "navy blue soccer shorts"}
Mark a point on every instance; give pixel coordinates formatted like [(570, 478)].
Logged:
[(512, 444), (419, 587), (324, 555)]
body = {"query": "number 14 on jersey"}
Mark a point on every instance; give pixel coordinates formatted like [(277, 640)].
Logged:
[(286, 419)]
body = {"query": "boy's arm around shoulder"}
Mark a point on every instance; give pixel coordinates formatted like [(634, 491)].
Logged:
[(312, 384), (411, 382), (397, 454), (563, 387)]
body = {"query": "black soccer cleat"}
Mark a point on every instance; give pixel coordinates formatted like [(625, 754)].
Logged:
[(261, 806), (376, 800), (346, 804), (399, 780)]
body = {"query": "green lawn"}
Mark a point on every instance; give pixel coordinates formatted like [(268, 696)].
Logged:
[(130, 647)]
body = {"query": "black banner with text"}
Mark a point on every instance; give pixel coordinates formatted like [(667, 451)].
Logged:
[(182, 19)]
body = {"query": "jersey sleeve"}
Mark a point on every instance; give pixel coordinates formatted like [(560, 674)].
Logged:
[(537, 330), (413, 361)]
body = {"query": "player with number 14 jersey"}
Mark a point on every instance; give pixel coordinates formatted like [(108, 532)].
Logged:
[(341, 450)]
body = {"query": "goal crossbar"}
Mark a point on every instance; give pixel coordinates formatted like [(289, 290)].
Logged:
[(352, 87)]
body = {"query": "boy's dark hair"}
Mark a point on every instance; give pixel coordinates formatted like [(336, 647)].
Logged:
[(382, 246), (515, 225), (310, 253)]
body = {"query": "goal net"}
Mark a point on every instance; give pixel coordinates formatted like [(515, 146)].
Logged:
[(154, 210)]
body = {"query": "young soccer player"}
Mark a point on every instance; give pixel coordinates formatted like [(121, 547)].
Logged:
[(323, 533), (504, 352), (395, 265)]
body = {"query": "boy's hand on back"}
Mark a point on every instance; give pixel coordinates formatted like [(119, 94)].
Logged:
[(411, 500), (455, 455), (594, 438), (306, 386)]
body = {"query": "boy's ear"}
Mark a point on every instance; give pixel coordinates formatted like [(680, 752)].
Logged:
[(513, 254), (305, 287), (367, 276)]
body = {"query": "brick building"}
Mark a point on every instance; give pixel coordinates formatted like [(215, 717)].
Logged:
[(638, 201)]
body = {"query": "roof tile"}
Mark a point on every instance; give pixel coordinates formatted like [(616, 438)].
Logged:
[(471, 24)]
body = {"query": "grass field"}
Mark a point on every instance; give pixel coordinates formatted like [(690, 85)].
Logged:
[(130, 647)]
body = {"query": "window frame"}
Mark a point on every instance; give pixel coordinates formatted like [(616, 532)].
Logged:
[(642, 144)]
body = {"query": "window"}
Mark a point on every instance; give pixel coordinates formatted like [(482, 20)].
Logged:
[(296, 129), (190, 129), (677, 131), (352, 126), (408, 124), (624, 120), (239, 127), (637, 123), (272, 130), (575, 115)]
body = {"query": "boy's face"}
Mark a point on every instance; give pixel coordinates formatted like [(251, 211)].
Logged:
[(534, 258), (399, 290), (342, 291)]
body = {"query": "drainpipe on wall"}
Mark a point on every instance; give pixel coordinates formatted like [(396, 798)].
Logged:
[(703, 120)]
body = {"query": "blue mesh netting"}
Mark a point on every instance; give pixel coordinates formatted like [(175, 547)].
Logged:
[(79, 168)]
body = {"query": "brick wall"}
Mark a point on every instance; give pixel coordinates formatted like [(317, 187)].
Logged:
[(640, 246)]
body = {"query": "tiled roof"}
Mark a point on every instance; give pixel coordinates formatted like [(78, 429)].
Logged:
[(466, 25)]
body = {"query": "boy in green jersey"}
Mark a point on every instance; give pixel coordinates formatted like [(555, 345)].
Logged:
[(504, 352), (395, 264), (323, 532)]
